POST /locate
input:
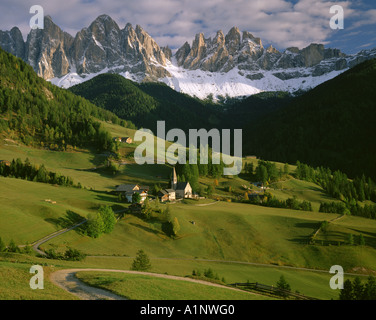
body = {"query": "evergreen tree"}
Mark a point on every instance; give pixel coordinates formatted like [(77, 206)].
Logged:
[(2, 245), (175, 226), (358, 289), (283, 285), (12, 247), (370, 289), (141, 262), (347, 292), (350, 240), (286, 169), (362, 242)]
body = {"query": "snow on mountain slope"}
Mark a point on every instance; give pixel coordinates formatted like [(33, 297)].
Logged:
[(201, 84), (234, 65), (233, 84)]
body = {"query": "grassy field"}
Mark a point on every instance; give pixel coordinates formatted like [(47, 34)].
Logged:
[(142, 287), (25, 216), (221, 231), (232, 232), (15, 282), (302, 190), (314, 284)]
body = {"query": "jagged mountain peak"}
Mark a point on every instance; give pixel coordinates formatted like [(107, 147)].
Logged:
[(235, 63), (100, 46)]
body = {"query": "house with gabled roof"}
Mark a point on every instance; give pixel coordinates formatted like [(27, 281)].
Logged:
[(127, 190)]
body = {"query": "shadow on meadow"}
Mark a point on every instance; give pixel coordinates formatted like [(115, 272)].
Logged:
[(70, 219)]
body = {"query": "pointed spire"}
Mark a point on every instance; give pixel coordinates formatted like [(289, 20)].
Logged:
[(174, 179)]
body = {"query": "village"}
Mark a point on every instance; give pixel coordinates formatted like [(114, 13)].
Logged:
[(177, 191)]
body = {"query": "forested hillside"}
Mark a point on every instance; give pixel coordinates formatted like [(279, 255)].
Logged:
[(41, 114), (145, 104), (332, 125)]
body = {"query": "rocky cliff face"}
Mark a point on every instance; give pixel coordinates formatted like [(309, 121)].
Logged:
[(246, 52), (236, 63), (103, 45), (47, 50)]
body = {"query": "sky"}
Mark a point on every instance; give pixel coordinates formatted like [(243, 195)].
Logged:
[(281, 23)]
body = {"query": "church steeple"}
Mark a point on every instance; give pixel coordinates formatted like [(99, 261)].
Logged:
[(174, 179)]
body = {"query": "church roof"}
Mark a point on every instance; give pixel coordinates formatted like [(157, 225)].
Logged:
[(181, 185)]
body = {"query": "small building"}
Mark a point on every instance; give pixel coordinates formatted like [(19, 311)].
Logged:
[(127, 190), (171, 194), (5, 162), (127, 140), (163, 196), (167, 195), (183, 190)]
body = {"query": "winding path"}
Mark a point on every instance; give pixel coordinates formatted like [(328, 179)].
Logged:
[(67, 280), (51, 236), (39, 242)]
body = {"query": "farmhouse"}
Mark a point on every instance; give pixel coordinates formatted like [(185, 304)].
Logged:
[(5, 162), (127, 190), (127, 140), (167, 195)]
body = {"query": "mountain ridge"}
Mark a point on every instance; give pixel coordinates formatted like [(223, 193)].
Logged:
[(333, 124), (233, 64)]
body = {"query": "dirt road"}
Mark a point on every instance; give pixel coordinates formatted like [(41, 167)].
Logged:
[(67, 280)]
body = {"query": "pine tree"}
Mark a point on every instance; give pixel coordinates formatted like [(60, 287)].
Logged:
[(141, 262), (358, 289), (286, 169), (347, 291), (283, 285), (362, 242), (350, 240), (2, 245), (175, 226), (370, 289), (12, 247)]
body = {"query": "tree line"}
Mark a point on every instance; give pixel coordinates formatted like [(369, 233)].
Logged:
[(27, 171), (339, 186), (189, 172), (268, 200), (44, 115), (265, 171), (356, 290)]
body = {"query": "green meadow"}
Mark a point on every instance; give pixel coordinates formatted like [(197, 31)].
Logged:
[(225, 236), (231, 232), (142, 287)]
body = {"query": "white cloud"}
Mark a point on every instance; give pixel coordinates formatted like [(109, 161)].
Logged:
[(172, 22)]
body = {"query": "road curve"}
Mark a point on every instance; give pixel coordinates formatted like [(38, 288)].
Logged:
[(67, 280), (53, 235)]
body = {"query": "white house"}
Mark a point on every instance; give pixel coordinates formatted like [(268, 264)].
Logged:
[(128, 190)]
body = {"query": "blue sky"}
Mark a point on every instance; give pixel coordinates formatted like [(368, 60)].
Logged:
[(282, 23)]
